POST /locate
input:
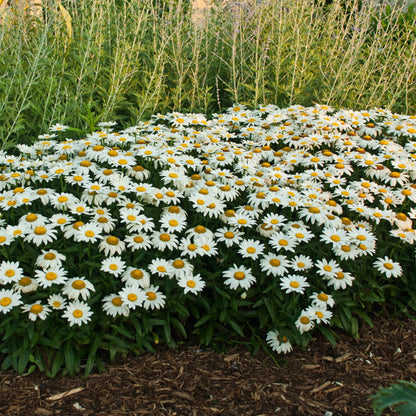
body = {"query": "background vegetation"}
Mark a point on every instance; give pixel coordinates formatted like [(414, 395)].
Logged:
[(90, 60)]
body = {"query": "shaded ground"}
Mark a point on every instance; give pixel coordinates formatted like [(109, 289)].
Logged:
[(323, 380)]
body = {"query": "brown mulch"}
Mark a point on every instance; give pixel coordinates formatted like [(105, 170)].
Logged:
[(324, 380)]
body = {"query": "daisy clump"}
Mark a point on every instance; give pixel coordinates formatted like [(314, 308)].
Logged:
[(263, 224)]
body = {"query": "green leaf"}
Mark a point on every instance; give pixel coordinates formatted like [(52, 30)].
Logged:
[(402, 396), (328, 334), (69, 358), (203, 320), (237, 328)]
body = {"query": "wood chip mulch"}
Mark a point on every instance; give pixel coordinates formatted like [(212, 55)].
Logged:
[(324, 380)]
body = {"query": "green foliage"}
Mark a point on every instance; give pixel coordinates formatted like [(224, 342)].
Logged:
[(401, 396)]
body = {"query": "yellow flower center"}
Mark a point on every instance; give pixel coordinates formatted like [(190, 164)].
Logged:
[(51, 276), (161, 269), (6, 301), (10, 273), (116, 301), (401, 217), (327, 268), (89, 234), (294, 284), (25, 281), (56, 304), (178, 264), (301, 265), (335, 238), (388, 266), (304, 320), (132, 297), (192, 247), (190, 283), (339, 275), (251, 250), (173, 223), (62, 199), (113, 266), (164, 237), (319, 314), (239, 275), (77, 313), (136, 274), (78, 284), (323, 297), (112, 240), (151, 295), (283, 242), (36, 308), (31, 217)]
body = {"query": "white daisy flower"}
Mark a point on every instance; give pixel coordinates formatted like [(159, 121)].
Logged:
[(113, 265), (10, 272), (90, 233), (340, 280), (320, 314), (305, 322), (161, 267), (238, 276), (140, 241), (251, 249), (154, 298), (190, 248), (57, 301), (50, 259), (278, 343), (77, 313), (301, 263), (181, 267), (191, 283), (173, 222), (388, 267), (76, 287), (283, 241), (162, 240), (274, 265), (136, 277), (241, 220), (327, 268), (322, 300), (9, 299), (42, 234), (113, 306), (36, 310), (229, 235), (132, 296), (26, 285), (53, 276), (111, 245), (294, 283), (61, 220)]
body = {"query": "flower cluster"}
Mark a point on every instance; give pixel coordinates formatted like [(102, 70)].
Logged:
[(120, 221)]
